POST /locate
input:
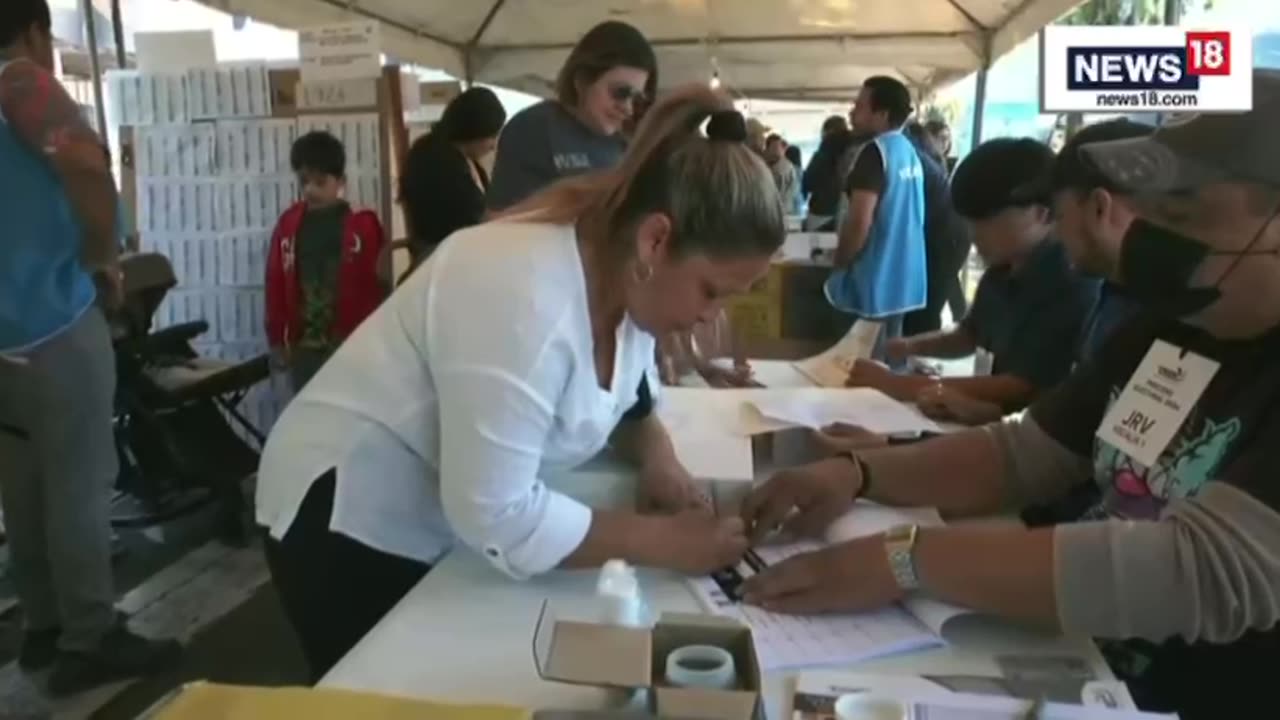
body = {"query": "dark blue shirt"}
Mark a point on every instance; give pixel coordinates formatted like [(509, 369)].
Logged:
[(1031, 319), (1111, 309)]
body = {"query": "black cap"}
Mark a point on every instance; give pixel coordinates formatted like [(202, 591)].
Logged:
[(1000, 174), (1199, 149), (1073, 171)]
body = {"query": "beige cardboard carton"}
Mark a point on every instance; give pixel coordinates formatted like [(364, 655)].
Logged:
[(588, 653)]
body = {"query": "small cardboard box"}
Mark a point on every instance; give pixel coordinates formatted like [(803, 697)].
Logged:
[(587, 653)]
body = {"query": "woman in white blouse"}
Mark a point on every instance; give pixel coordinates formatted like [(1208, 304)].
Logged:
[(518, 347)]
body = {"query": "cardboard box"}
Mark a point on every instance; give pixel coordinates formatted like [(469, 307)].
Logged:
[(588, 653), (282, 83), (754, 318)]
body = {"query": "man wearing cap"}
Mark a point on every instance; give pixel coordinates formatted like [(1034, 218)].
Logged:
[(1030, 304), (1092, 215), (1177, 422)]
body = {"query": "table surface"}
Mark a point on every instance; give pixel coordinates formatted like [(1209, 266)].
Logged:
[(465, 633)]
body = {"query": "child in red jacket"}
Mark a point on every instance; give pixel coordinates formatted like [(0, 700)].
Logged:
[(322, 267)]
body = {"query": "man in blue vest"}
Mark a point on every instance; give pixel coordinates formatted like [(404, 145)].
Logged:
[(58, 269), (880, 259)]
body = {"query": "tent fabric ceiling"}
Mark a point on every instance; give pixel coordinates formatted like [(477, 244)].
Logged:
[(802, 49)]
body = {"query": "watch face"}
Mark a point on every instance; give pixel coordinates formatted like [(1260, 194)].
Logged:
[(899, 533)]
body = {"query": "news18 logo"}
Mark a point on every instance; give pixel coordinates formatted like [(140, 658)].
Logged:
[(1146, 69)]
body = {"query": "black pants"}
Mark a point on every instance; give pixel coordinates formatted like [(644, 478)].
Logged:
[(929, 318), (334, 589)]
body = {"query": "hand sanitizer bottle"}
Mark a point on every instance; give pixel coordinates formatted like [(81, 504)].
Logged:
[(618, 590)]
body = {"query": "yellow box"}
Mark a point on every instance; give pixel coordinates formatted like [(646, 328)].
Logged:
[(755, 317)]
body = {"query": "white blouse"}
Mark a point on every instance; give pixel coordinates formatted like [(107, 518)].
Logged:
[(442, 409)]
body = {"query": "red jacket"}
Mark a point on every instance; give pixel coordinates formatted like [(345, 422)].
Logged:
[(359, 290)]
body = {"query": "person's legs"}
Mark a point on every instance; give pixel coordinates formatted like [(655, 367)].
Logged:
[(22, 492), (925, 320), (890, 328), (334, 589), (78, 467), (73, 437)]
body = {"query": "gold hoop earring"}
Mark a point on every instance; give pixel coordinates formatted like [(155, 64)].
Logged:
[(643, 273)]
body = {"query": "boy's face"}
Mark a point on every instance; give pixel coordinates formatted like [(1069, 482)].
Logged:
[(1004, 237), (320, 189)]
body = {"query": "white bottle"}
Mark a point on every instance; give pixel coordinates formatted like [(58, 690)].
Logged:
[(619, 592)]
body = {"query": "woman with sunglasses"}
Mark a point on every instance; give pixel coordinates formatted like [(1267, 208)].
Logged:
[(600, 88)]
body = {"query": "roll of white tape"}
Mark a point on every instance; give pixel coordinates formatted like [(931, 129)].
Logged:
[(860, 706), (701, 666)]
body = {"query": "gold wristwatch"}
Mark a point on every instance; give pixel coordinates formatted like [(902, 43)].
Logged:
[(900, 545)]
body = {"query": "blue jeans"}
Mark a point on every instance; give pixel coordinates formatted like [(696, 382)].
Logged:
[(890, 328)]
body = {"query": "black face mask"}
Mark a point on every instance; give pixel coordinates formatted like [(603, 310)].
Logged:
[(1155, 266), (1157, 263)]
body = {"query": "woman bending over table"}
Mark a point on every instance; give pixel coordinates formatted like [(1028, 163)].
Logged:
[(517, 348)]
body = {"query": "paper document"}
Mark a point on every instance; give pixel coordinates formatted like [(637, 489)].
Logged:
[(831, 368), (704, 429), (789, 641), (864, 407), (965, 697)]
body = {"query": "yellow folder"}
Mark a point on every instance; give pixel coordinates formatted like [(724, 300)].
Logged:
[(208, 701)]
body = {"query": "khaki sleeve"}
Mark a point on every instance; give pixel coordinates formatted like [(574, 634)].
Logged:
[(1208, 569), (1037, 468)]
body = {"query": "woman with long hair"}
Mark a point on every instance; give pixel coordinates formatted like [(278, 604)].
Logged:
[(521, 345), (601, 87), (443, 185)]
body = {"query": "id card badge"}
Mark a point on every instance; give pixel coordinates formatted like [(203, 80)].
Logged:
[(1157, 400)]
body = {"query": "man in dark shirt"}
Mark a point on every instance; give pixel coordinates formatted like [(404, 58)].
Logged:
[(1030, 304), (1177, 422), (1092, 215), (946, 239), (819, 182)]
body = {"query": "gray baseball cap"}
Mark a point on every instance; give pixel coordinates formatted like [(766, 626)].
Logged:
[(1200, 149)]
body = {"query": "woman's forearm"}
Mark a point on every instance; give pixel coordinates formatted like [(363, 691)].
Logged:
[(644, 442), (616, 534), (962, 474)]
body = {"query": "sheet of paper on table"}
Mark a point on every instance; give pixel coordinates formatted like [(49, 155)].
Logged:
[(831, 367), (703, 427), (945, 696), (789, 641), (819, 407)]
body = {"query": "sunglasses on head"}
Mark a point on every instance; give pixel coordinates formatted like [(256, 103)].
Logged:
[(623, 92)]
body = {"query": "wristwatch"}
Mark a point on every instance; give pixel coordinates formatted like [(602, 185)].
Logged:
[(900, 546)]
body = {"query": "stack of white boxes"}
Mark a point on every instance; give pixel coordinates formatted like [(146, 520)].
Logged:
[(213, 177)]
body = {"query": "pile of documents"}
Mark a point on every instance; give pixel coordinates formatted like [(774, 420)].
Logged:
[(712, 429)]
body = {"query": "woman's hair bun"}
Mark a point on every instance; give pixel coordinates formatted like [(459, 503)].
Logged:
[(727, 126)]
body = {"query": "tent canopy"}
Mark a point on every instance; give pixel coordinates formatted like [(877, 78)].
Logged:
[(787, 49)]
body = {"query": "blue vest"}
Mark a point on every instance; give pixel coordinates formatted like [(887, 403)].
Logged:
[(890, 276), (43, 288)]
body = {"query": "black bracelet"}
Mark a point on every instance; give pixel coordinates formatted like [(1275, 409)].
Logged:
[(865, 471)]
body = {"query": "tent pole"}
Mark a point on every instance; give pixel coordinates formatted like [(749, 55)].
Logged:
[(91, 37), (1172, 16), (979, 101), (117, 29), (980, 92)]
